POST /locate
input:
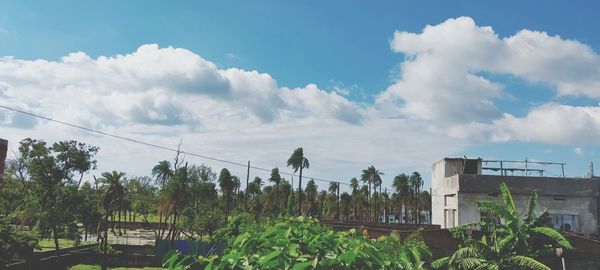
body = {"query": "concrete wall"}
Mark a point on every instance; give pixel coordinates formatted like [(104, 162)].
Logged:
[(444, 182), (573, 187), (564, 196)]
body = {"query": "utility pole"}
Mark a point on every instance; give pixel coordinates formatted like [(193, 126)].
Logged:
[(3, 153), (338, 201), (246, 192), (385, 208)]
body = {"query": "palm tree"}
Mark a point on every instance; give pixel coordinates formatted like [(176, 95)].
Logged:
[(334, 188), (175, 192), (371, 176), (162, 171), (276, 179), (513, 243), (402, 188), (113, 194), (254, 190), (354, 184), (345, 202), (311, 195), (226, 184), (236, 189), (425, 201), (416, 182), (298, 162)]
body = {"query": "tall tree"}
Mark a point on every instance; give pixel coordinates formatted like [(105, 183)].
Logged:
[(236, 189), (298, 162), (402, 188), (226, 184), (163, 172), (311, 196), (334, 189), (371, 176), (416, 182), (114, 191), (54, 190), (276, 180), (113, 194), (75, 157)]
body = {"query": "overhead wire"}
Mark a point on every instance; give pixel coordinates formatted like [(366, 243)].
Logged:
[(162, 147)]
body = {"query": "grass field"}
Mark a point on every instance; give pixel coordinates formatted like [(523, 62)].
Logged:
[(97, 267), (152, 218), (48, 244)]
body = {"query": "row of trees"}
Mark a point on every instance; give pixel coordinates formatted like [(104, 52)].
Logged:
[(45, 190), (505, 239)]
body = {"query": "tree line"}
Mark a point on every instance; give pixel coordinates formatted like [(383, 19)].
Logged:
[(45, 189)]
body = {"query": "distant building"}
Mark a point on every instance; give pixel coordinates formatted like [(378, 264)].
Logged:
[(457, 185)]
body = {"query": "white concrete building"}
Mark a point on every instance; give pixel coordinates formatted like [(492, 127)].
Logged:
[(457, 185)]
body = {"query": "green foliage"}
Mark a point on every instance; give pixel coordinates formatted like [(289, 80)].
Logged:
[(509, 241), (14, 244), (301, 243)]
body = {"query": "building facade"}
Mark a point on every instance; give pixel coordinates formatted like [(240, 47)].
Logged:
[(458, 184)]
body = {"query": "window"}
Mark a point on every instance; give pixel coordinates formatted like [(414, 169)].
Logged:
[(447, 199), (449, 218), (484, 217), (567, 223)]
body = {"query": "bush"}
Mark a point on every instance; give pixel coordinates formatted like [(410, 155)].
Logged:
[(15, 244), (301, 243)]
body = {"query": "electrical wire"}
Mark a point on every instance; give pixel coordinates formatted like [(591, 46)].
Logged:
[(162, 147)]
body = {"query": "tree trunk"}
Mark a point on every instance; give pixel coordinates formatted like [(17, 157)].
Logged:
[(86, 233), (300, 193), (276, 209), (55, 234), (119, 222), (337, 215)]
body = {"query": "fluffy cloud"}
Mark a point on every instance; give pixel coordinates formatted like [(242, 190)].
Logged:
[(163, 86), (441, 81), (440, 78), (549, 123), (440, 103)]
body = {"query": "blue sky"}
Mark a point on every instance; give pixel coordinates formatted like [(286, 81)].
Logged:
[(339, 46)]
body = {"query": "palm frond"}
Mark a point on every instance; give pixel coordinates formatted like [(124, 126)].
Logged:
[(470, 263), (554, 235), (531, 207), (507, 197), (494, 208), (441, 262), (527, 263)]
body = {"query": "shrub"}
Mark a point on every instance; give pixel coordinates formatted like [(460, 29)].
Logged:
[(15, 244), (301, 243)]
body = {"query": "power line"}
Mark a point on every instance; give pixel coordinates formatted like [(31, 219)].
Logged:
[(160, 146)]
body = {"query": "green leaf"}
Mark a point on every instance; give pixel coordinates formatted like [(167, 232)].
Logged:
[(508, 200), (270, 256), (302, 265), (441, 262), (554, 235), (527, 262)]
